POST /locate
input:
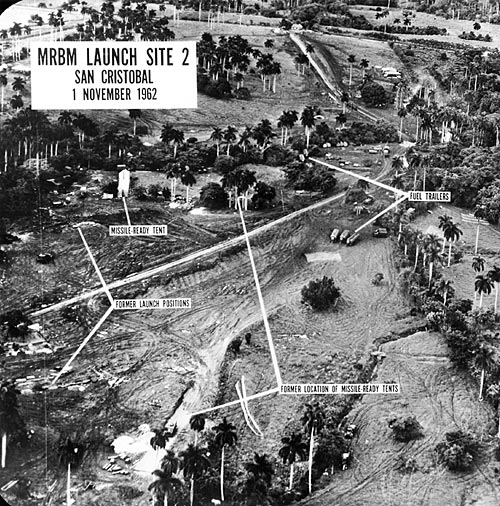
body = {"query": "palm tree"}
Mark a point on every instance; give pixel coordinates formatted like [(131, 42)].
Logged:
[(452, 233), (307, 119), (402, 113), (16, 102), (194, 463), (445, 289), (260, 473), (261, 468), (364, 64), (187, 179), (166, 133), (494, 275), (245, 137), (134, 114), (161, 486), (286, 121), (309, 48), (419, 246), (229, 135), (70, 454), (177, 139), (269, 43), (10, 419), (484, 359), (293, 448), (3, 84), (433, 253), (312, 420), (345, 98), (19, 85), (482, 285), (226, 435), (197, 423), (351, 59), (478, 263), (217, 136)]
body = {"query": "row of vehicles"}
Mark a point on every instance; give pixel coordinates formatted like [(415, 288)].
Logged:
[(349, 238)]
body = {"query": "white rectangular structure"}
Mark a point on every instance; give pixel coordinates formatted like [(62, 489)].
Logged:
[(113, 75), (429, 196)]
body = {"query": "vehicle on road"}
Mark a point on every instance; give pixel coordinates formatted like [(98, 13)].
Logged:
[(381, 232)]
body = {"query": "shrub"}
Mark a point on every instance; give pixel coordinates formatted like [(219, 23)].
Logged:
[(264, 195), (320, 294), (224, 164), (374, 95), (140, 193), (405, 428), (458, 451), (213, 196)]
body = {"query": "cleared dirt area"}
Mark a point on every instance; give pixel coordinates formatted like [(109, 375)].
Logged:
[(442, 400)]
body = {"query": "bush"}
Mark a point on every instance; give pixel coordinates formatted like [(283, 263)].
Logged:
[(263, 196), (320, 294), (242, 94), (374, 95), (224, 164), (140, 193), (405, 429), (458, 451), (213, 196)]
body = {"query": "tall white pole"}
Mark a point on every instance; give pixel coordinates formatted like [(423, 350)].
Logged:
[(477, 238), (4, 448)]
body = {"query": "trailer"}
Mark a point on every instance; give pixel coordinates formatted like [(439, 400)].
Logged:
[(345, 235), (335, 235), (353, 239)]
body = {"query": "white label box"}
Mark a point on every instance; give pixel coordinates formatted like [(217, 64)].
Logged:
[(113, 75), (339, 389), (134, 230), (152, 304), (429, 196)]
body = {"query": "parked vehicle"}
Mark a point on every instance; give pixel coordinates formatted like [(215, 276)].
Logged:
[(381, 232), (335, 235), (353, 239), (345, 235)]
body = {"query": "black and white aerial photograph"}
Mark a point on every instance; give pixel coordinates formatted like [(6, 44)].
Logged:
[(249, 253)]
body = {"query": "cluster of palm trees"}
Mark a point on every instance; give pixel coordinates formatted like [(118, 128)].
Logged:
[(195, 461), (485, 282), (127, 22), (263, 132), (18, 85), (229, 57)]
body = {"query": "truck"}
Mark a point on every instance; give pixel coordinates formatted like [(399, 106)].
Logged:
[(345, 235), (335, 235), (353, 239)]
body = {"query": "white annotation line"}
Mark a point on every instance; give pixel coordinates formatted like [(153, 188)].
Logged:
[(222, 246), (94, 263), (261, 300), (358, 176), (238, 401), (84, 342), (126, 211)]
